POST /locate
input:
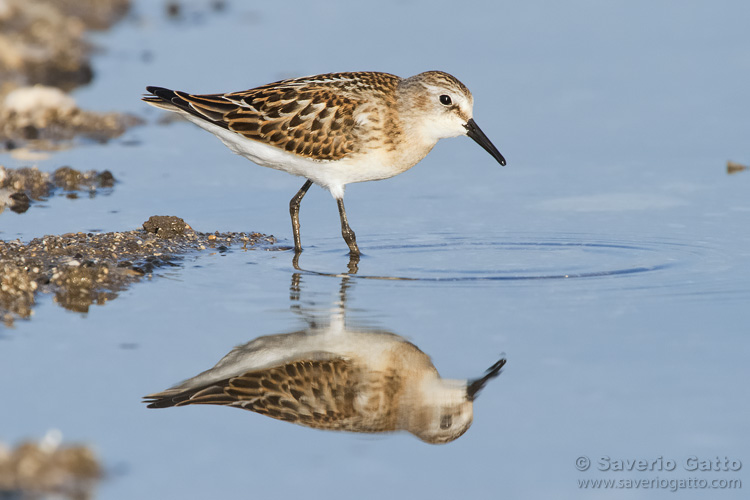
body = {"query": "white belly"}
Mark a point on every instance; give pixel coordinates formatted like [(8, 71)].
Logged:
[(331, 175)]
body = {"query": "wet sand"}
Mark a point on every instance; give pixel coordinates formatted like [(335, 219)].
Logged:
[(20, 188), (49, 469), (81, 269), (44, 54)]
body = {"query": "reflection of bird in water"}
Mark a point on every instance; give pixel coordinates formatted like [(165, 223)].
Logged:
[(337, 378)]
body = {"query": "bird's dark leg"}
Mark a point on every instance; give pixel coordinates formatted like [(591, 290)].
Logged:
[(294, 212), (346, 231)]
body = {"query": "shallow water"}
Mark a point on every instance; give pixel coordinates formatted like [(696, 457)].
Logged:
[(608, 261)]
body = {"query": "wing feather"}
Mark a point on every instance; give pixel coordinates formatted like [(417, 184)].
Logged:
[(316, 393), (313, 117)]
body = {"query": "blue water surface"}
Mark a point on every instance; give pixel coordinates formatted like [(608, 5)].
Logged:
[(608, 260)]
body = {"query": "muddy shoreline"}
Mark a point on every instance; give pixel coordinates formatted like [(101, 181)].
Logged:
[(44, 54), (81, 269), (21, 188)]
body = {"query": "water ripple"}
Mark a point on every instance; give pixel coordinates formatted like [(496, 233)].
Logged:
[(660, 265), (511, 257)]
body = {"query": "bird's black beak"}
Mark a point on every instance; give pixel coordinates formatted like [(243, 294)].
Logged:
[(473, 131), (474, 386)]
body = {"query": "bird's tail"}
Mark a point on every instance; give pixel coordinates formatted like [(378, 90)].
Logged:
[(161, 98)]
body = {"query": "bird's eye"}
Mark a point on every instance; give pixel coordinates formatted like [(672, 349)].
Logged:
[(446, 100), (446, 420)]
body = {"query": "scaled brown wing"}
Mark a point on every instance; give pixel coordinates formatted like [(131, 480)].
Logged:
[(314, 393), (315, 121)]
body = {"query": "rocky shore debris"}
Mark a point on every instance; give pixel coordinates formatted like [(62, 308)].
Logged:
[(165, 226), (44, 53), (20, 187), (44, 41), (48, 469), (45, 118), (733, 167), (80, 269)]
